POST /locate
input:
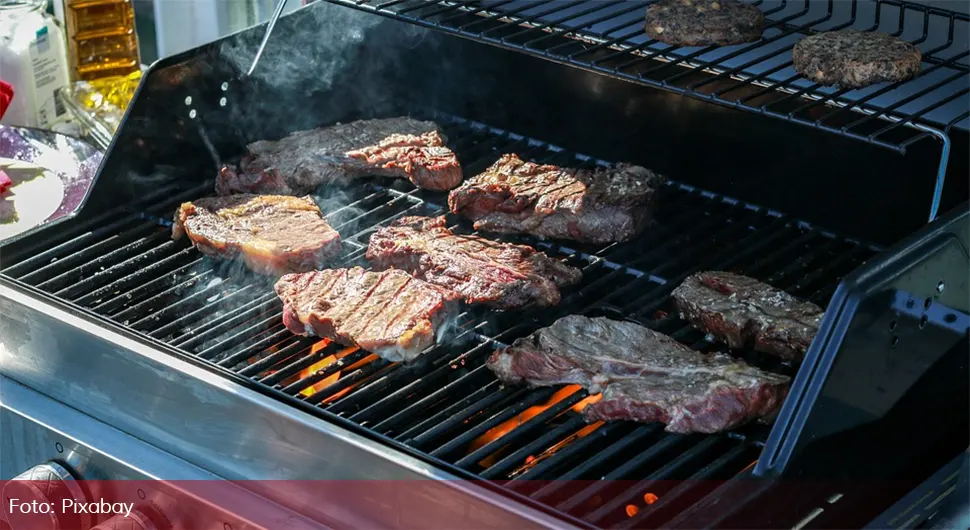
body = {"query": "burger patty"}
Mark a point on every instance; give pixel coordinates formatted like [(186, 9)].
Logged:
[(704, 22), (855, 59)]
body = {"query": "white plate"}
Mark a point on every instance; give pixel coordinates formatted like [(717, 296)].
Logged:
[(36, 194)]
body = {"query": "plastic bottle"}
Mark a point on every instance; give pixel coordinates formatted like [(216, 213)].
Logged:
[(33, 59)]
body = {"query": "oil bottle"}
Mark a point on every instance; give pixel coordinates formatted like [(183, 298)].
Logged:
[(105, 63), (101, 39)]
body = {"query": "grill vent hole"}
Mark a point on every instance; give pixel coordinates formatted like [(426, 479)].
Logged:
[(950, 318), (927, 303), (895, 341), (940, 286), (922, 322), (892, 326)]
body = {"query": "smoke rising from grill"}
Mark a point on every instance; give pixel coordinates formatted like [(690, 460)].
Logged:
[(321, 43), (321, 62), (323, 65), (340, 210)]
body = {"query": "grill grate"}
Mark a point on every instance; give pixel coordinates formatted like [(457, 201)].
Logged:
[(123, 265)]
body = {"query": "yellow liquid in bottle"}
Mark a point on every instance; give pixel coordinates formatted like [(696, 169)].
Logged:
[(102, 42)]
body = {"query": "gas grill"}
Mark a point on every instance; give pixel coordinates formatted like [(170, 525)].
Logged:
[(105, 314)]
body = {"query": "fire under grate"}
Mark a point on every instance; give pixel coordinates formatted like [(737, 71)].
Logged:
[(124, 265)]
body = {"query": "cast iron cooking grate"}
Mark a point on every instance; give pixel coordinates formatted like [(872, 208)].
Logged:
[(124, 265)]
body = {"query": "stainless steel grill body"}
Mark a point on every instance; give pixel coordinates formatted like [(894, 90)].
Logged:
[(171, 340)]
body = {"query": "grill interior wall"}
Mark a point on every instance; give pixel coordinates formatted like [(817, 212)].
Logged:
[(121, 263)]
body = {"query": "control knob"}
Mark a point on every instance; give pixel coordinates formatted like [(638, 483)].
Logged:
[(34, 499)]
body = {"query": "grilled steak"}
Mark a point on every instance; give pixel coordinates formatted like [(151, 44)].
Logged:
[(644, 376), (600, 206), (388, 313), (305, 160), (500, 275), (746, 313), (274, 234)]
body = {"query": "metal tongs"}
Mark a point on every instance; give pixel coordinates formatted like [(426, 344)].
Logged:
[(280, 4)]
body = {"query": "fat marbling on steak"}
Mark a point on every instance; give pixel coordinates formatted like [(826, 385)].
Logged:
[(600, 206), (501, 275), (746, 313), (644, 375), (304, 160), (388, 313), (274, 234)]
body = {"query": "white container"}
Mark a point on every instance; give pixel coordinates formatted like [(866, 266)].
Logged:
[(33, 59)]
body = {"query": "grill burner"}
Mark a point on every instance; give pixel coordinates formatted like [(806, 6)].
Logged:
[(123, 265)]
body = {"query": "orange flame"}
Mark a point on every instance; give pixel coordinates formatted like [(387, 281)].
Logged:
[(320, 365), (505, 427), (531, 461), (366, 360), (632, 510), (589, 400)]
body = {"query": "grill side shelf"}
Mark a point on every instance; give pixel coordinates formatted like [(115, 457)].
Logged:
[(883, 390)]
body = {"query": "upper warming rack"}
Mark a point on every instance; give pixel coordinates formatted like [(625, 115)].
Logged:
[(607, 36)]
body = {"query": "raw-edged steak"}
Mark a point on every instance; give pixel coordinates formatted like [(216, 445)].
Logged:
[(746, 313), (644, 375)]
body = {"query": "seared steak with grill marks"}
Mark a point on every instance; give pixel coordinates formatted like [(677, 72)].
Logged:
[(601, 205), (305, 160), (388, 313), (500, 275), (746, 313), (274, 234), (644, 376)]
